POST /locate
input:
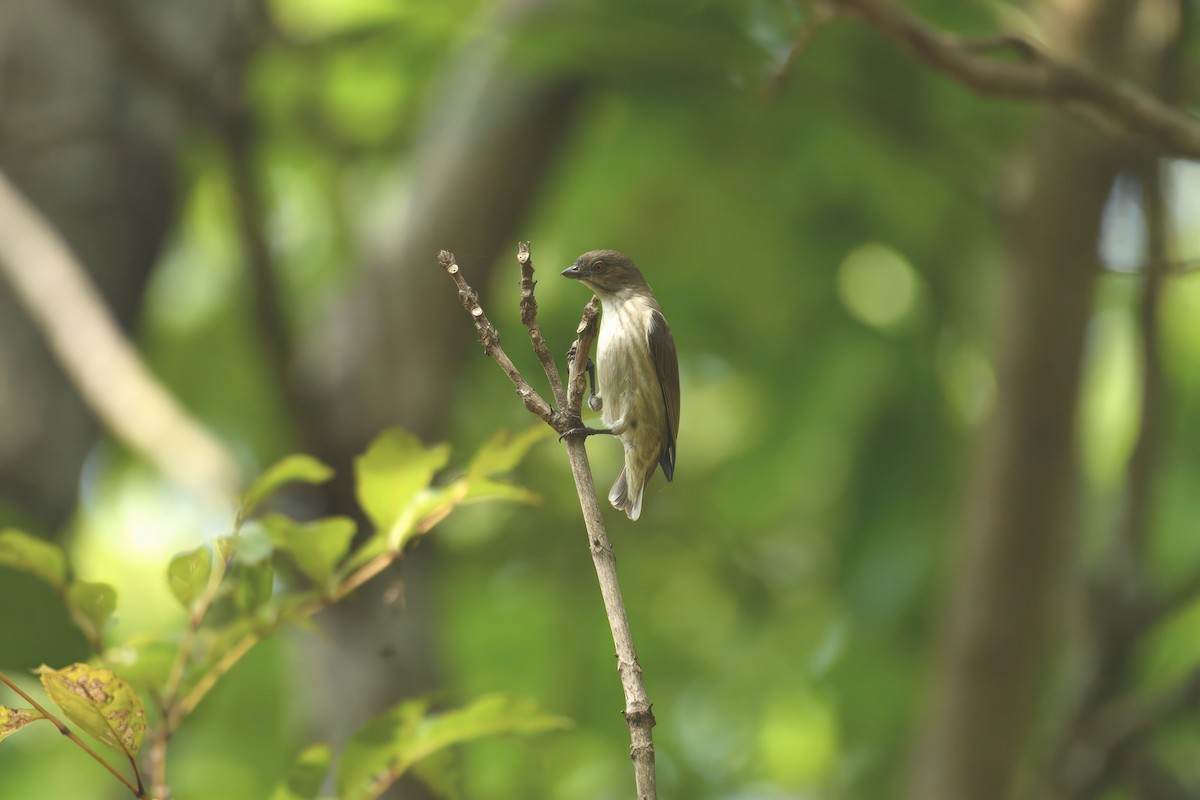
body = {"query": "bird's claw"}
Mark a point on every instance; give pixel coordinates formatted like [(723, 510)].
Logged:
[(584, 431)]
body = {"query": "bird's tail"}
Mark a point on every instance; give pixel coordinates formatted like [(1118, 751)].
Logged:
[(626, 498)]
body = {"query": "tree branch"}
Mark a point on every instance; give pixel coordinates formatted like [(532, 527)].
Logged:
[(639, 715), (1037, 76), (56, 291), (529, 320), (489, 337)]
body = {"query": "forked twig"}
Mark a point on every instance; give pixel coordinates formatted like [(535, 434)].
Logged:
[(638, 711)]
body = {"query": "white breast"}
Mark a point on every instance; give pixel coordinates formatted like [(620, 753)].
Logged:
[(625, 370)]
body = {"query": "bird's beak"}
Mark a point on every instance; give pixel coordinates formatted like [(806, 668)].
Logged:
[(573, 272)]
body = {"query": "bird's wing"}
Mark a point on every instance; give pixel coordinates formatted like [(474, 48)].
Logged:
[(666, 366)]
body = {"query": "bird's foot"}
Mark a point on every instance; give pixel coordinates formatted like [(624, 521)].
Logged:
[(585, 432)]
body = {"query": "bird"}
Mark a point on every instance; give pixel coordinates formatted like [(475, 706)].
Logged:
[(638, 373)]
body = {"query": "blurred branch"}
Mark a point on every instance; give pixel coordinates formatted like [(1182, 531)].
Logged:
[(1109, 723), (226, 112), (1105, 749), (816, 16), (1036, 75), (59, 296), (638, 712), (122, 26), (1019, 532), (1136, 521)]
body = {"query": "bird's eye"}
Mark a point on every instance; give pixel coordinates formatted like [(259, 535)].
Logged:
[(599, 266)]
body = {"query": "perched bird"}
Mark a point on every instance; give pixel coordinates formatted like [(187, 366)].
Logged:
[(638, 373)]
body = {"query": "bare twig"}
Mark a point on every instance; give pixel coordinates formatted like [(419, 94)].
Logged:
[(529, 310), (489, 337), (638, 710), (56, 291), (70, 734), (1037, 76)]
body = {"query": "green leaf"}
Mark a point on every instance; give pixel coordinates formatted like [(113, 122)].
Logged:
[(33, 555), (306, 776), (13, 719), (99, 702), (302, 468), (188, 575), (253, 544), (504, 451), (316, 547), (93, 604), (397, 740), (429, 507), (253, 585), (393, 471)]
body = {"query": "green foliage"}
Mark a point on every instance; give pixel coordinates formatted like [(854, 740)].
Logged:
[(96, 700), (93, 605), (392, 475), (316, 547), (29, 554), (306, 777), (405, 736), (188, 575), (296, 468), (251, 589)]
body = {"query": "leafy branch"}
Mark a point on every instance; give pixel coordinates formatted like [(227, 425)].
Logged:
[(1111, 103), (228, 592), (12, 720), (563, 417)]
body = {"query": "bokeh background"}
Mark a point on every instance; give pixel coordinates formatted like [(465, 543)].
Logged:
[(259, 190)]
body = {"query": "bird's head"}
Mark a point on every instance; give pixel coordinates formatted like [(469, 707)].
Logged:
[(607, 273)]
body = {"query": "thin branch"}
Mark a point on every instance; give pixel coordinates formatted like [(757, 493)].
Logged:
[(529, 310), (1119, 729), (1113, 101), (489, 337), (351, 584), (106, 369), (236, 131), (816, 16), (70, 734), (171, 717), (638, 711)]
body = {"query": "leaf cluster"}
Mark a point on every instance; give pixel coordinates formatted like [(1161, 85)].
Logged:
[(271, 571)]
